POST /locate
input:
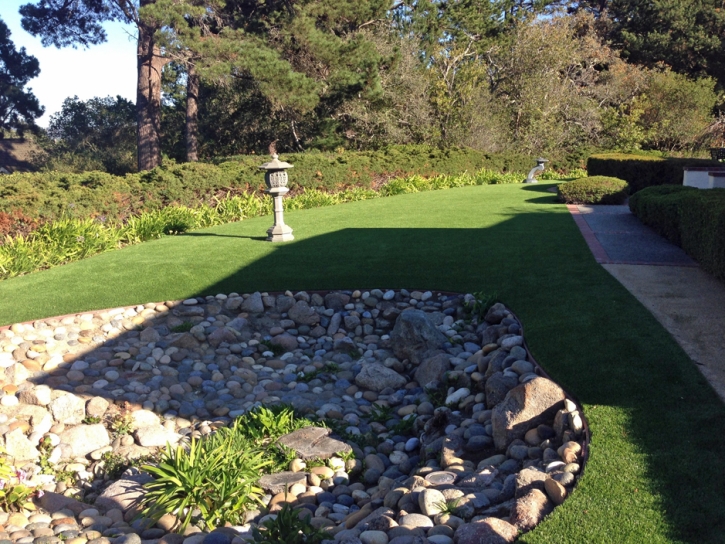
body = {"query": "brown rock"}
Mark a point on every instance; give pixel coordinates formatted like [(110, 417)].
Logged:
[(529, 479), (530, 509), (97, 406), (525, 406), (432, 369), (486, 531), (125, 494), (555, 491), (32, 365)]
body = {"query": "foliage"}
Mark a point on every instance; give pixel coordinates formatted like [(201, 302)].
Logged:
[(381, 413), (686, 35), (217, 475), (15, 494), (18, 106), (122, 424), (217, 480), (289, 526), (642, 170), (266, 424), (95, 134), (594, 190), (692, 218), (480, 304)]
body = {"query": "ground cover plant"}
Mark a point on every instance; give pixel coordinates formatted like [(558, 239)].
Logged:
[(657, 464), (594, 190)]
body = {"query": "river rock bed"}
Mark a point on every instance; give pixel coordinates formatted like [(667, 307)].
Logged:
[(492, 437)]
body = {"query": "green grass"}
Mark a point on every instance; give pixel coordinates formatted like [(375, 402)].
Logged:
[(657, 466)]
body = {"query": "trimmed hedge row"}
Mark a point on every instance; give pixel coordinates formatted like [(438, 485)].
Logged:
[(694, 219), (30, 199), (594, 190), (642, 171)]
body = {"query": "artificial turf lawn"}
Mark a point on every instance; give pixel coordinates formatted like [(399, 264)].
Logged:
[(657, 467)]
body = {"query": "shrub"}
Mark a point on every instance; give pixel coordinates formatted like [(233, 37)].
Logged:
[(594, 190), (642, 171), (692, 218), (214, 479), (216, 476)]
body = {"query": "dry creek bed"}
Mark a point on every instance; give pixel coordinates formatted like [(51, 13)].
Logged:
[(504, 449)]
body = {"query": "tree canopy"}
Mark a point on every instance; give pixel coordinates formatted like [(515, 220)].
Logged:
[(18, 106)]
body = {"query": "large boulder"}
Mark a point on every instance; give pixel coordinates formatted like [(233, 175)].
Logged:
[(486, 531), (302, 314), (415, 337), (432, 369), (84, 439), (377, 377), (525, 406), (497, 387), (530, 509)]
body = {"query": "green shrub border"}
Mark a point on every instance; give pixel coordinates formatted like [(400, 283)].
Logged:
[(692, 218), (642, 171)]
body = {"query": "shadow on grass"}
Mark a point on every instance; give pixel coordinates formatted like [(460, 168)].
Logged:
[(657, 427)]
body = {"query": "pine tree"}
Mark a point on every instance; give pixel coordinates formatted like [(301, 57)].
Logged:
[(75, 23), (18, 106)]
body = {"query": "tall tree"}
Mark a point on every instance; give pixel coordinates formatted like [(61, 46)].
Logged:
[(686, 35), (304, 57), (18, 106), (80, 23)]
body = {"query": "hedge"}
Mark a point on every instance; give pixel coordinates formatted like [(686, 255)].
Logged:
[(594, 190), (692, 218), (642, 171), (27, 200)]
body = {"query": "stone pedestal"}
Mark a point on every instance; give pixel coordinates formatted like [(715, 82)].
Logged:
[(279, 232)]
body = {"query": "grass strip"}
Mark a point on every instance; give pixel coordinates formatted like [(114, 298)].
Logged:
[(657, 466)]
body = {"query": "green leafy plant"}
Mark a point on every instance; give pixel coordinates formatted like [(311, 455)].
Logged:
[(266, 424), (449, 507), (288, 528), (15, 495), (91, 420), (405, 426), (184, 327), (274, 348), (480, 304), (380, 413), (212, 478), (122, 424)]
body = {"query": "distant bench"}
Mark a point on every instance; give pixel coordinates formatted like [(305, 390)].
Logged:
[(704, 177)]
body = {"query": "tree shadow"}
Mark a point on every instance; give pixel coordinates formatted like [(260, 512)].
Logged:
[(588, 333)]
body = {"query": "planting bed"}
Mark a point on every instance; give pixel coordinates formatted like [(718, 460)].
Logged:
[(432, 421)]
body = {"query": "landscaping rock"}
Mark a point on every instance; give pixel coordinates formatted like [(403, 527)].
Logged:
[(415, 336), (525, 406)]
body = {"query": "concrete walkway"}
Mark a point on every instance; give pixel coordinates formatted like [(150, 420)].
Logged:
[(687, 301)]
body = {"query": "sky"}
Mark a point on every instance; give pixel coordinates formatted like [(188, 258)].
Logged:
[(108, 69)]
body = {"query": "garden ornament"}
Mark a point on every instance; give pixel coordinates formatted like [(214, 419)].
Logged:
[(531, 178)]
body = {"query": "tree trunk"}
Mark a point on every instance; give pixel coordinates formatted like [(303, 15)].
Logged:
[(192, 111), (148, 99)]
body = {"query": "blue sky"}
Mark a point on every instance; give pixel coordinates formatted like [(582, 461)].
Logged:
[(102, 70)]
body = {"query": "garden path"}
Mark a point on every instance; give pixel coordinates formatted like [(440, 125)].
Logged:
[(686, 300)]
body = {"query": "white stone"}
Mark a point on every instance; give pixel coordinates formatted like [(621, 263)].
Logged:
[(457, 396)]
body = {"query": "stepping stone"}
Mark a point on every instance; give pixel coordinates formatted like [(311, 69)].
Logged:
[(313, 443), (281, 481)]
